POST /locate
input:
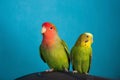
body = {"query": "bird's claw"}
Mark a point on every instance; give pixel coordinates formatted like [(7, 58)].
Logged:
[(74, 71), (50, 70), (66, 70), (86, 73)]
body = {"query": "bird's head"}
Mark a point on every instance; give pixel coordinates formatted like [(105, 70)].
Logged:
[(48, 29), (85, 39), (88, 38)]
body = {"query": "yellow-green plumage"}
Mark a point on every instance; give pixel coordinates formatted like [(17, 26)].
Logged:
[(53, 50), (57, 56), (81, 53)]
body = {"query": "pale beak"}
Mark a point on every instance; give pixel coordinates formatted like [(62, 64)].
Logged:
[(43, 30)]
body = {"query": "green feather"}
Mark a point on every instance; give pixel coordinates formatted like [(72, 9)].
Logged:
[(41, 53), (67, 50), (81, 53), (57, 56), (81, 59)]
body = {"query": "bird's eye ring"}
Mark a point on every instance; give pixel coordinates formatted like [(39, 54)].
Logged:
[(51, 28), (87, 36)]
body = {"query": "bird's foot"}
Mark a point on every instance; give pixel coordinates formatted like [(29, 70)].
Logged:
[(75, 71), (50, 70), (66, 70), (86, 73)]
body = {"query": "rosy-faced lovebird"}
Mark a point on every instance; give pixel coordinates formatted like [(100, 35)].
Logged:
[(53, 50), (81, 53)]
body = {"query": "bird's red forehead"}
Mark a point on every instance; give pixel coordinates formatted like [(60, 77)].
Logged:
[(47, 24)]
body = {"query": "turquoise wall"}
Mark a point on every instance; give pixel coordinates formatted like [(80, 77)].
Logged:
[(20, 37)]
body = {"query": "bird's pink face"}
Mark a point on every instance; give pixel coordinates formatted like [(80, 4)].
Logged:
[(48, 29)]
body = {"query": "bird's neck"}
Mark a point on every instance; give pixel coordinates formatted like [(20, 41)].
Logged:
[(49, 41), (85, 44)]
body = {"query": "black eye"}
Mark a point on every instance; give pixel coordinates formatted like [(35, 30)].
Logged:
[(87, 36), (51, 28)]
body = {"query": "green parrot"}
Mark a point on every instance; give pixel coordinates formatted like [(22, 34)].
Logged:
[(81, 54), (53, 50)]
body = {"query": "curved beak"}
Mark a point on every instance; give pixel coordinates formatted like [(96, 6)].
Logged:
[(43, 30)]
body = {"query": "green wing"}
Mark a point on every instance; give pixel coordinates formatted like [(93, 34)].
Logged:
[(89, 64), (41, 53), (71, 53), (67, 50), (90, 58)]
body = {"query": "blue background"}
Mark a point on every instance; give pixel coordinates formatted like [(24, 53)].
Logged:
[(20, 37)]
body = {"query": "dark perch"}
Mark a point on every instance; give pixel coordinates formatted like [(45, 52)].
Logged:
[(59, 76)]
